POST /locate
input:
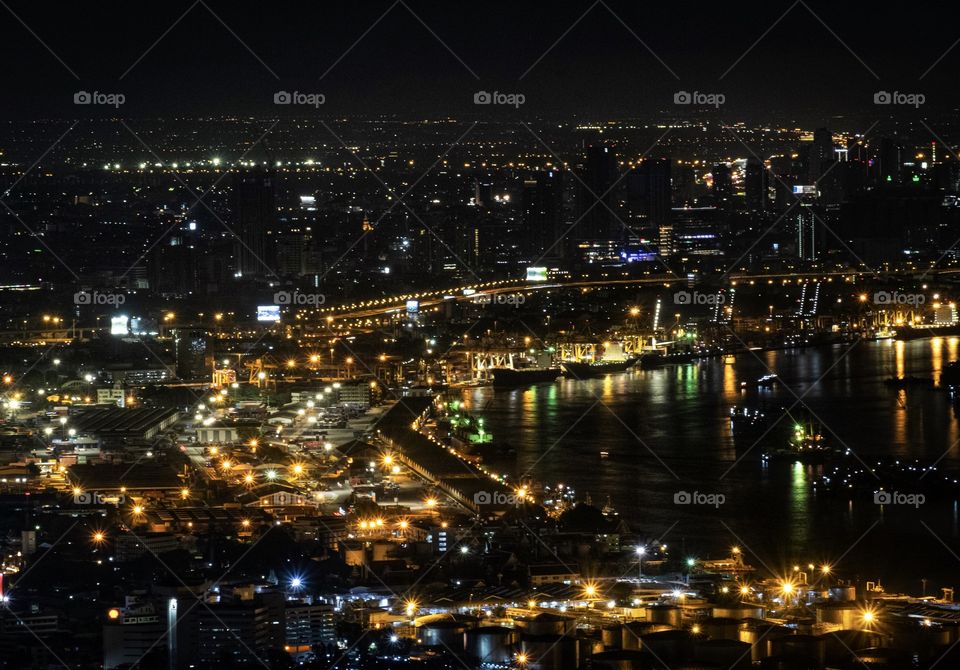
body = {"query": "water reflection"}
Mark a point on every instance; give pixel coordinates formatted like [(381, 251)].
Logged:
[(681, 414)]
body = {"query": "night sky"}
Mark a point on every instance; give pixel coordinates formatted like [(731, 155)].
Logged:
[(797, 70)]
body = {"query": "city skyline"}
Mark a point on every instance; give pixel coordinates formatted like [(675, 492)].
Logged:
[(403, 334)]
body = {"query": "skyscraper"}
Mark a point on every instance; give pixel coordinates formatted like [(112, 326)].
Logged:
[(756, 183), (806, 229), (722, 185), (483, 191), (890, 160), (594, 196), (649, 193), (255, 215), (542, 204), (820, 155), (191, 352)]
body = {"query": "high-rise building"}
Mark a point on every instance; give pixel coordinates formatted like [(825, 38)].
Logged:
[(805, 221), (722, 185), (298, 254), (665, 242), (542, 206), (890, 160), (255, 217), (698, 231), (756, 185), (307, 627), (218, 628), (132, 632), (595, 200), (820, 154), (191, 352), (649, 194), (483, 191)]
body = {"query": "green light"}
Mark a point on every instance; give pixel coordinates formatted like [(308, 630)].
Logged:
[(916, 177)]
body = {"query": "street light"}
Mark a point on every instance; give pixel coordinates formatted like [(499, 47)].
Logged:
[(640, 552)]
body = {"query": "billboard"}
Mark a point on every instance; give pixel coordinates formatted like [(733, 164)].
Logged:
[(119, 325), (269, 313), (804, 189), (536, 274)]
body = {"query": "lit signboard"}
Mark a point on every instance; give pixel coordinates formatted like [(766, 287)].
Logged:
[(268, 313), (536, 274), (804, 190), (413, 306), (119, 325)]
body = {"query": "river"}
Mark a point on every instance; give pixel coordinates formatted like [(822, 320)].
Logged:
[(667, 432)]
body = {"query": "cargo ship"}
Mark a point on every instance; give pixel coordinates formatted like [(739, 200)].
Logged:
[(520, 376), (542, 370), (653, 359), (613, 360)]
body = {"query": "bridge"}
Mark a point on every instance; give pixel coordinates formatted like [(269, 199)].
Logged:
[(370, 314), (396, 305)]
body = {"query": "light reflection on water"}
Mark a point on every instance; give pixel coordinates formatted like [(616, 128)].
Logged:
[(668, 430)]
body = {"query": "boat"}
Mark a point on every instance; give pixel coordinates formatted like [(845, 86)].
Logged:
[(542, 370), (656, 359), (884, 334), (596, 368), (950, 377), (904, 382), (768, 381), (613, 360), (503, 377), (652, 360), (746, 421), (806, 445)]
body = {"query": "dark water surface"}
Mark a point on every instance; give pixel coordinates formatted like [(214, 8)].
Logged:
[(668, 430)]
